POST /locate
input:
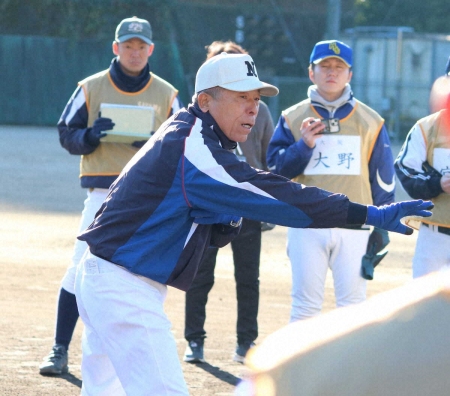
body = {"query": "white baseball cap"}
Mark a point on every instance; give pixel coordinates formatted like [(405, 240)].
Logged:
[(236, 72)]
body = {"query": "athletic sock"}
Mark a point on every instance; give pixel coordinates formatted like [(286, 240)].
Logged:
[(67, 317)]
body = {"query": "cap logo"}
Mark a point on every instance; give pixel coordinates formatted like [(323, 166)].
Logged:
[(334, 47), (135, 27), (251, 69)]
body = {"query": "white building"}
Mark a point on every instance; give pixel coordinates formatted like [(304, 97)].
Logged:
[(394, 70)]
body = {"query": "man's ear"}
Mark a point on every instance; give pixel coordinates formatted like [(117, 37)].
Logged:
[(115, 48), (350, 75), (311, 74), (203, 100), (150, 49)]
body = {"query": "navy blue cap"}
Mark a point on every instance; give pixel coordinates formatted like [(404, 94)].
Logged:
[(134, 28)]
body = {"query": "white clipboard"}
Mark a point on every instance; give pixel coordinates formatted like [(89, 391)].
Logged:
[(132, 123)]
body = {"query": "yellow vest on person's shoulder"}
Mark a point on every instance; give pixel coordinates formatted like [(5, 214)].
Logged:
[(436, 132), (110, 158), (340, 161)]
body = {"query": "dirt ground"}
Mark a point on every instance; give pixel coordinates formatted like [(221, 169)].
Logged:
[(40, 206)]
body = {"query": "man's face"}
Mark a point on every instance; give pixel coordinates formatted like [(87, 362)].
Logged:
[(133, 55), (330, 76), (234, 112)]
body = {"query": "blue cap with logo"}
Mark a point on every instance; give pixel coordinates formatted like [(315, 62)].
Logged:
[(134, 28), (331, 49)]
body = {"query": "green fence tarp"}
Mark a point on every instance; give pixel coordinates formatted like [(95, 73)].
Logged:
[(39, 74)]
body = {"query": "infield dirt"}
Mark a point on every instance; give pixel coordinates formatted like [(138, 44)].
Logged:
[(40, 206)]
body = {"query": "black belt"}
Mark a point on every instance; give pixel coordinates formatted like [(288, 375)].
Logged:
[(442, 230)]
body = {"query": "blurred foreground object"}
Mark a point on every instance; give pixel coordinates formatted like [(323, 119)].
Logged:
[(395, 343), (440, 91), (439, 94)]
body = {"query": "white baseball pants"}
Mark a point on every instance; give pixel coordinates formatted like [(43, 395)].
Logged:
[(432, 251), (311, 253), (128, 347), (92, 204)]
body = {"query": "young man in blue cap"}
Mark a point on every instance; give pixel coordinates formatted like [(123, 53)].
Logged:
[(333, 141)]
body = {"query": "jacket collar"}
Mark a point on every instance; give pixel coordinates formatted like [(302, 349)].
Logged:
[(211, 123), (128, 83), (318, 100)]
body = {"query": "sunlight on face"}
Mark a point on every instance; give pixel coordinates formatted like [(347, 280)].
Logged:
[(133, 55), (331, 75), (234, 112)]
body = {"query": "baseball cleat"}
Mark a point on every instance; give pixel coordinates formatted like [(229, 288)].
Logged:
[(55, 362), (194, 352)]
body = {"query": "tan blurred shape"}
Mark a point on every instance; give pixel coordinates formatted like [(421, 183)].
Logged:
[(396, 343)]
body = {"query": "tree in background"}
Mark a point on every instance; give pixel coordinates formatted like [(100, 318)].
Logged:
[(279, 33), (79, 19), (429, 16)]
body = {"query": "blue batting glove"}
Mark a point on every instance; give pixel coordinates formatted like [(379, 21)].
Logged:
[(388, 217), (205, 217)]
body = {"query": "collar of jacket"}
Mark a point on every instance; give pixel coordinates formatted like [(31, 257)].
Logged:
[(211, 123), (128, 83)]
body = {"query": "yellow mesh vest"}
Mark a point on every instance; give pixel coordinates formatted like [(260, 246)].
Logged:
[(436, 132), (362, 122), (110, 158)]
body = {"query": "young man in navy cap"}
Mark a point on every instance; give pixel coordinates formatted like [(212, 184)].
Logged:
[(129, 82), (333, 141)]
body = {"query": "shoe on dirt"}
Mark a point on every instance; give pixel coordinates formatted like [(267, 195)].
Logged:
[(55, 362), (194, 352)]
